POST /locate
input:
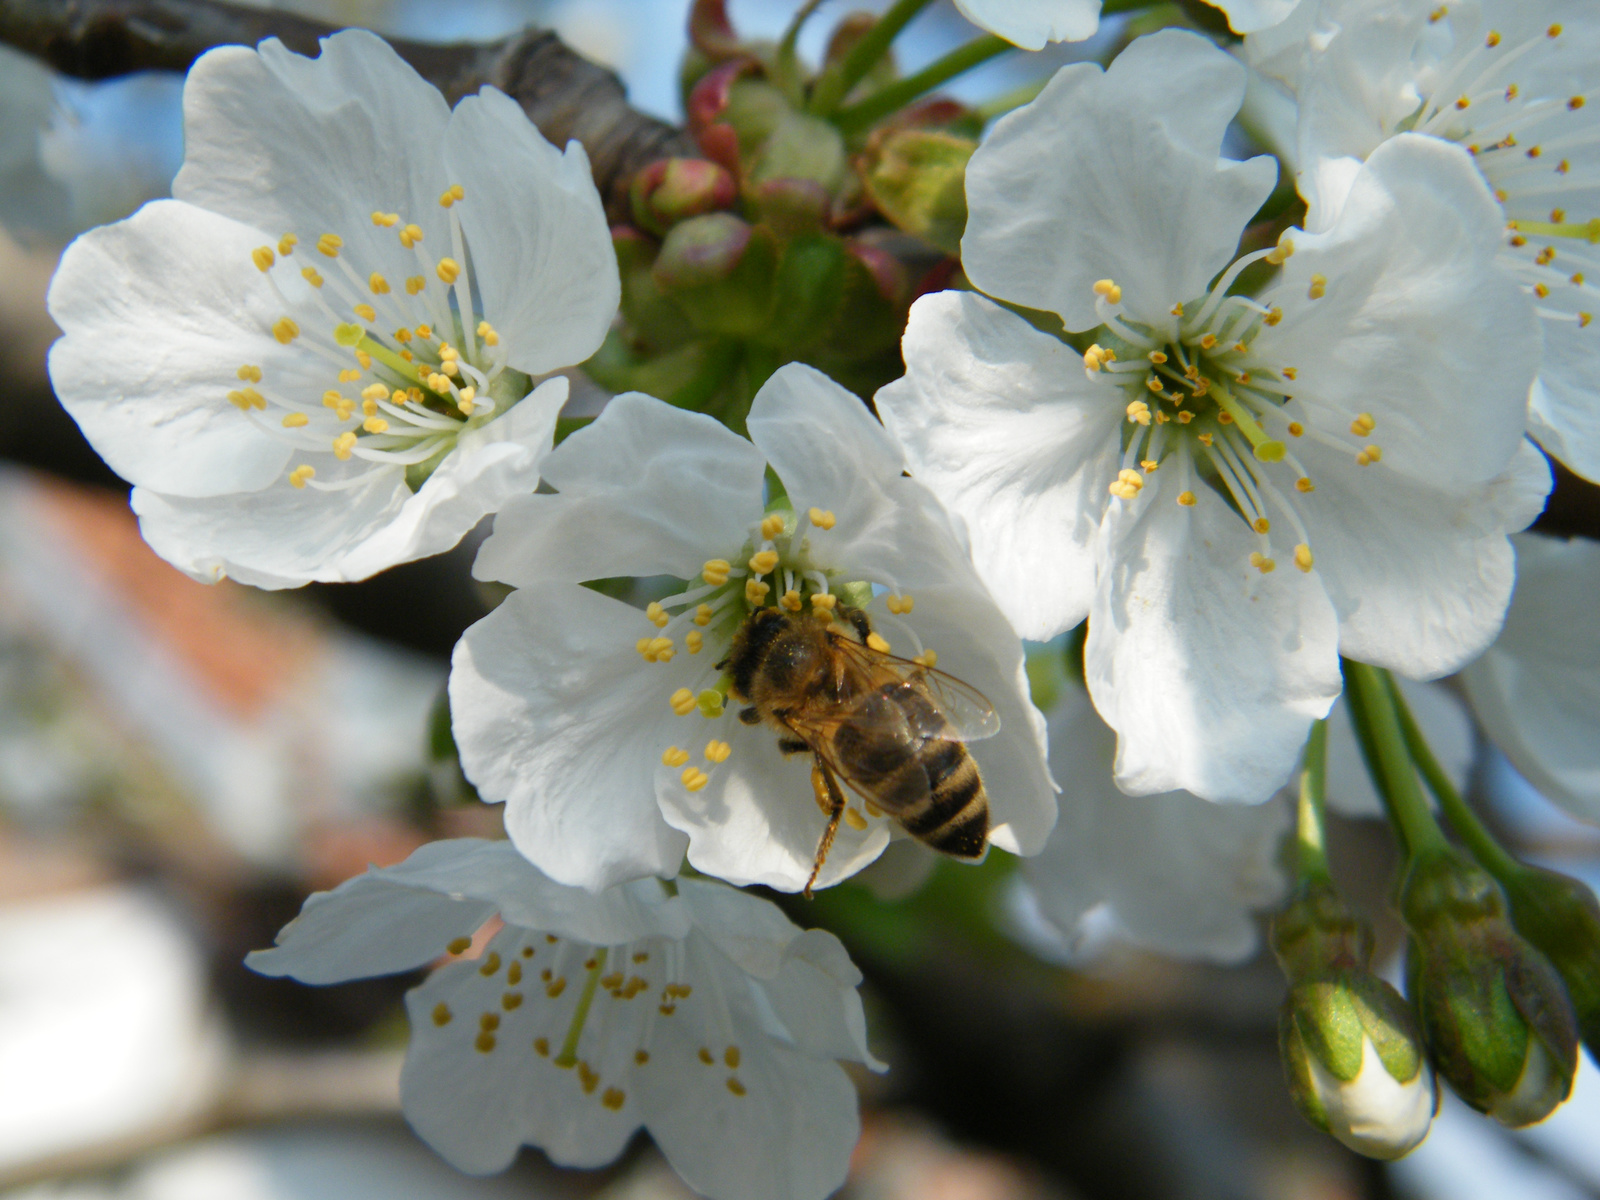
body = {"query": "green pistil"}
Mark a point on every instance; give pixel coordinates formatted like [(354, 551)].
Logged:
[(357, 339), (1588, 231), (1265, 448), (569, 1048)]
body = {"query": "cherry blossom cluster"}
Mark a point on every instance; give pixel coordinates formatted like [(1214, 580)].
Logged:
[(1239, 450)]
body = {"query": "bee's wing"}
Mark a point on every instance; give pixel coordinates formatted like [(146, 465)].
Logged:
[(970, 716), (891, 725)]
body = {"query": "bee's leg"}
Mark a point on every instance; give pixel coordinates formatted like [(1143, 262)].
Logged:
[(750, 716), (825, 785), (789, 745), (858, 620)]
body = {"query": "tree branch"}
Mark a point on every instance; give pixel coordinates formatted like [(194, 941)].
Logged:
[(564, 94)]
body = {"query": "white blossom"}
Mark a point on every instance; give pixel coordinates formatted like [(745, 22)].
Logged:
[(1537, 690), (694, 1010), (603, 726), (313, 363), (1512, 81), (1235, 490), (1175, 873), (1032, 23)]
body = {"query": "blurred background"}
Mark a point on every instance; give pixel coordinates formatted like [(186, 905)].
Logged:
[(180, 765)]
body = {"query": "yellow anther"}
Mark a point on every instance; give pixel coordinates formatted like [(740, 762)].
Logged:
[(1262, 563), (1261, 525), (1584, 319), (1576, 103), (1439, 14), (1157, 357), (755, 592), (441, 1014), (1240, 348), (1093, 359), (511, 1001), (541, 1047), (694, 778), (1304, 484), (656, 615), (1511, 92), (1291, 374), (556, 986), (1187, 499), (1296, 429), (375, 391), (285, 330), (375, 425), (1302, 557), (1108, 290), (1369, 455), (378, 284), (369, 408), (286, 244), (329, 244), (1283, 250), (1177, 309), (415, 284), (1463, 103), (244, 399), (1138, 413), (1319, 287), (674, 757), (1274, 315), (300, 474), (366, 312), (854, 819), (451, 194), (249, 373), (703, 614), (312, 276), (1184, 418), (715, 571), (448, 270), (710, 702), (823, 601), (791, 600), (1554, 31), (771, 525), (1205, 439), (613, 1098), (385, 220), (683, 702), (402, 335), (1127, 484), (1541, 290), (1148, 464), (343, 444), (822, 518), (694, 640), (296, 420), (717, 752), (763, 562), (1492, 40), (875, 641), (490, 964), (928, 658), (899, 605), (410, 236), (263, 257), (1363, 424), (447, 351), (1153, 384)]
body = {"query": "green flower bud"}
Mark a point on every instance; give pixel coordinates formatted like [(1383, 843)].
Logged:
[(1352, 1052), (1561, 916), (674, 189), (1495, 1014), (917, 179), (719, 271)]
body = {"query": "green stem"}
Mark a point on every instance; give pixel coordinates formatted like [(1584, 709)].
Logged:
[(835, 83), (1463, 820), (786, 63), (895, 96), (1310, 843), (1383, 746), (569, 1048)]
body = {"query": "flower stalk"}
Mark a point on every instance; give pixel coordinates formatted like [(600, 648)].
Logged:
[(866, 113), (835, 83)]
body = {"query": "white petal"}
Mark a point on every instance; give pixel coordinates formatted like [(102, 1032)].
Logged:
[(316, 145), (1183, 876), (1420, 324), (477, 1107), (647, 489), (1444, 723), (757, 821), (1210, 672), (994, 421), (1537, 690), (1563, 410), (1247, 16), (160, 311), (1420, 575), (556, 714), (1032, 23), (1104, 176), (383, 921), (541, 247)]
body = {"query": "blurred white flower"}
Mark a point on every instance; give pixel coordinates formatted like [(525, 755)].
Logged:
[(704, 1016), (1357, 424), (312, 364), (602, 725), (1178, 874), (1537, 690), (1032, 23), (1514, 82)]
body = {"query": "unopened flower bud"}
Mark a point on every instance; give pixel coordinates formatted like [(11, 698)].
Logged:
[(1352, 1052), (710, 30), (718, 270), (674, 189), (1495, 1014), (917, 179), (1561, 916)]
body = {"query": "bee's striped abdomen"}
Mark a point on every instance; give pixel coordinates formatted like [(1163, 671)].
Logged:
[(953, 817)]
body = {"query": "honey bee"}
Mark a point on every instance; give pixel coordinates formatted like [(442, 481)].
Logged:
[(892, 729)]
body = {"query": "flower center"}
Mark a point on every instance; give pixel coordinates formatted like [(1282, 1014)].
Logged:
[(1536, 152), (410, 365), (1198, 397)]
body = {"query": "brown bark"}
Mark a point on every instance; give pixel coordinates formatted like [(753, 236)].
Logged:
[(564, 94)]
